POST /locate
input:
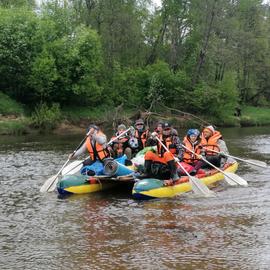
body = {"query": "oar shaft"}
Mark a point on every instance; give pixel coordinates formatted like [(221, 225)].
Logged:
[(237, 158), (120, 135), (111, 141), (205, 160), (58, 174), (196, 184), (164, 146)]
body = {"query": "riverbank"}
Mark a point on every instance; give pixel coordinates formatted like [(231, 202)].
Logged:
[(75, 120)]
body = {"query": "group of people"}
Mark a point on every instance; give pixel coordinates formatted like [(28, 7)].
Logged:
[(171, 159)]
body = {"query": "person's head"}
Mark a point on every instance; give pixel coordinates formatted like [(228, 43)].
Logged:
[(193, 135), (92, 128), (208, 131), (139, 124), (121, 128), (167, 129), (159, 127)]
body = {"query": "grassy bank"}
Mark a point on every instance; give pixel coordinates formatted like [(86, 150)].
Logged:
[(255, 116), (76, 119)]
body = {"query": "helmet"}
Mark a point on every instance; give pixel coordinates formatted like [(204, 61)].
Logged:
[(194, 132)]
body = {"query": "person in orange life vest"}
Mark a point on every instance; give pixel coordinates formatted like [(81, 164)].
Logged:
[(121, 145), (211, 139), (141, 134), (192, 142), (95, 144), (172, 142), (158, 129)]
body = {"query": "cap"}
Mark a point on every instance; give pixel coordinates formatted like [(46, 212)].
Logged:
[(93, 126), (167, 125), (139, 122)]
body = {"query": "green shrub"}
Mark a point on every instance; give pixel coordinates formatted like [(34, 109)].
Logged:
[(45, 117), (9, 106)]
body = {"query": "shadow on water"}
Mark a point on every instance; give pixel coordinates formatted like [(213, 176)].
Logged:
[(110, 230)]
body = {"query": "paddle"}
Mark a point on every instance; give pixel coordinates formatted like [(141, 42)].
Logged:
[(254, 162), (75, 165), (197, 186), (50, 183), (231, 178)]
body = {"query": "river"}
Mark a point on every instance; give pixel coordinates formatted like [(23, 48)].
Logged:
[(110, 230)]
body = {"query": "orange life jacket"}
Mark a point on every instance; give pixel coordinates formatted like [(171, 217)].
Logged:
[(211, 143), (188, 156), (143, 137), (97, 150), (168, 143)]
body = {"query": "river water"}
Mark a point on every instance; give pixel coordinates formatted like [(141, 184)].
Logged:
[(110, 230)]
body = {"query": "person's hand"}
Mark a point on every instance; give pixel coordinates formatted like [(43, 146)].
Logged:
[(70, 156), (222, 155), (154, 134), (168, 182), (91, 132), (132, 131)]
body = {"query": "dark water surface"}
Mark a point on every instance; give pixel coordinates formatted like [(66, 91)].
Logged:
[(112, 231)]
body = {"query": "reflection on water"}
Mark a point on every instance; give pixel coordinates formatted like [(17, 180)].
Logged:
[(112, 231)]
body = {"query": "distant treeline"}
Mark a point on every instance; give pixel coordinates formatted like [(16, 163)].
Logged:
[(201, 56)]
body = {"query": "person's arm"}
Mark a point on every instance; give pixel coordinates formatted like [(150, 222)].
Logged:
[(223, 147), (100, 139), (79, 152)]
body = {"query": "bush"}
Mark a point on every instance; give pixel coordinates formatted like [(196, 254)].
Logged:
[(46, 118), (9, 106)]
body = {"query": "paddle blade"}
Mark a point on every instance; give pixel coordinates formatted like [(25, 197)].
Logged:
[(48, 183), (236, 179), (200, 188), (257, 163), (73, 167), (229, 181)]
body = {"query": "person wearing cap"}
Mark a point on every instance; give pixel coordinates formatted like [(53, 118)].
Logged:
[(211, 139), (141, 136), (95, 144), (121, 145), (172, 142)]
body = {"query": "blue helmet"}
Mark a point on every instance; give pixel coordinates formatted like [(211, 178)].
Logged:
[(194, 132)]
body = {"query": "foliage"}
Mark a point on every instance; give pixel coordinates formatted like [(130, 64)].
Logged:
[(46, 117), (14, 127), (255, 116), (200, 56), (9, 106)]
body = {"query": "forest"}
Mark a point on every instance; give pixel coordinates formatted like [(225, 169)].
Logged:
[(205, 57)]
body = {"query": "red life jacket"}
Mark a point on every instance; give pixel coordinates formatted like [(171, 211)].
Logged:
[(97, 150), (188, 156), (211, 143), (168, 142)]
